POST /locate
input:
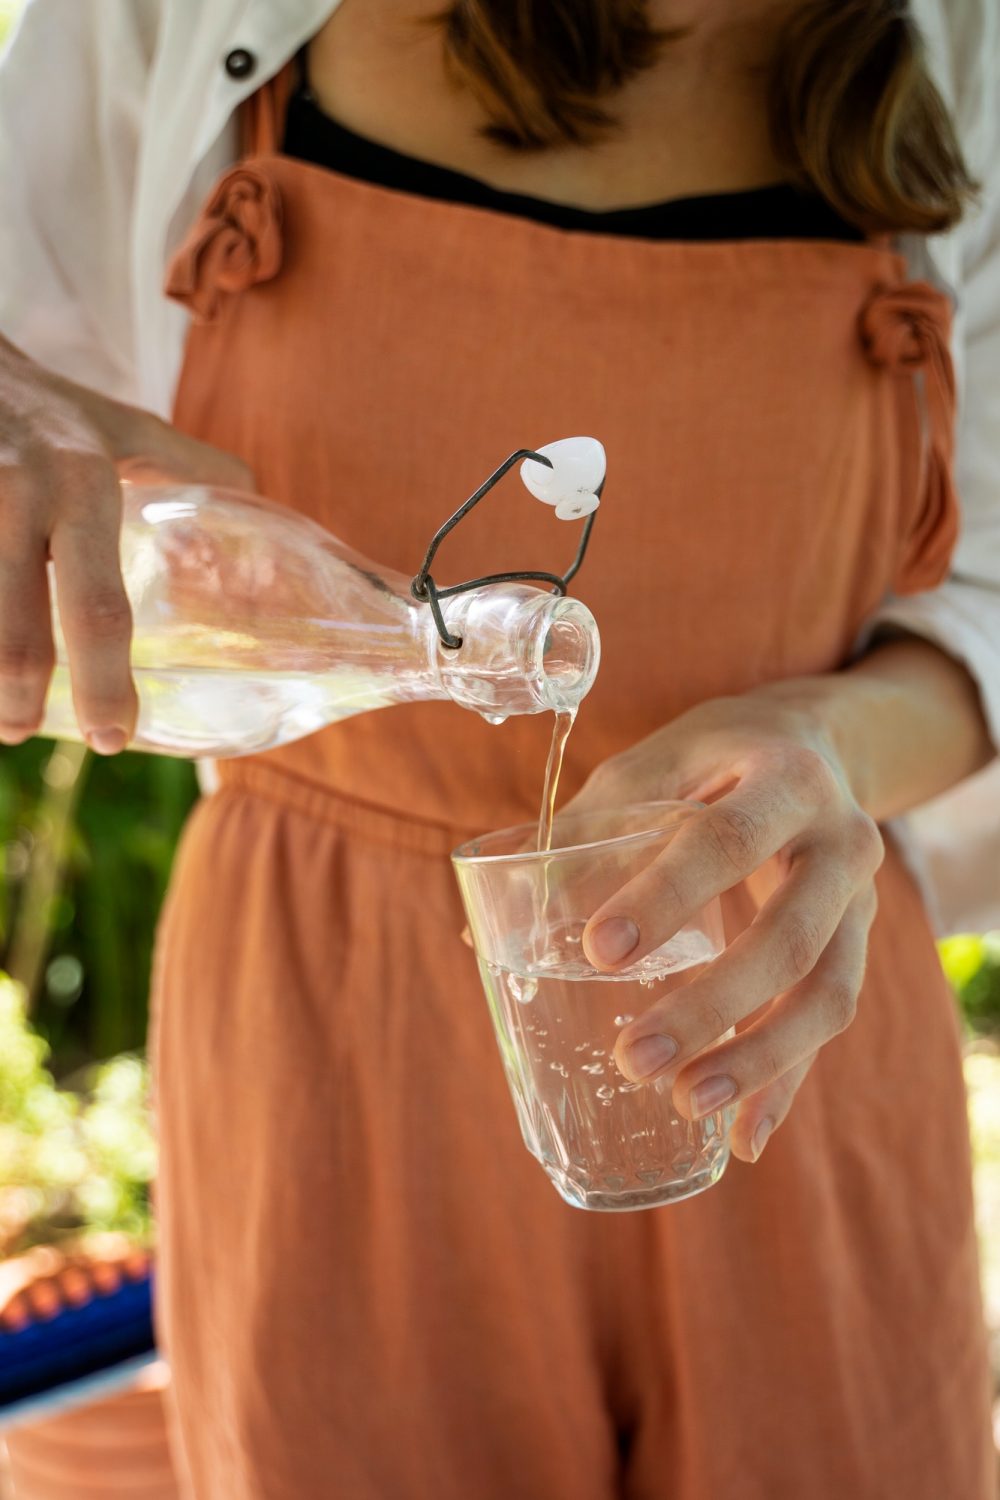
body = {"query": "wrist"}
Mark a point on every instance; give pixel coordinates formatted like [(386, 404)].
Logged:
[(903, 724), (830, 711)]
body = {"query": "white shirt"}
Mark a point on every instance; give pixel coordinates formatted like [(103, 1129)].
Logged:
[(116, 117)]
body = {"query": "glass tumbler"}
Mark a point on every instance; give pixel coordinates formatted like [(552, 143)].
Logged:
[(606, 1143)]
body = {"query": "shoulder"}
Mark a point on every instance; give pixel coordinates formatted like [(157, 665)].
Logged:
[(962, 38)]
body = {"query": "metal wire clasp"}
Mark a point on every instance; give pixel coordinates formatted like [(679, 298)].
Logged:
[(426, 590)]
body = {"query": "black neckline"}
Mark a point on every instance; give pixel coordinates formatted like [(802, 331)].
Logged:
[(776, 211)]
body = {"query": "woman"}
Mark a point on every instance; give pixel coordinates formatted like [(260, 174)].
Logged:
[(447, 235)]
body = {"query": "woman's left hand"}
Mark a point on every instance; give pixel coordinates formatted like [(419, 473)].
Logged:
[(776, 787)]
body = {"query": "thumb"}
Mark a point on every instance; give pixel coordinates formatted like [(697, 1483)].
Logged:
[(144, 448), (173, 455)]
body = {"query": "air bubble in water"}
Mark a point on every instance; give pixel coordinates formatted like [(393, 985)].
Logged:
[(523, 990), (623, 1020), (604, 1092), (561, 1068), (599, 1053), (594, 1068)]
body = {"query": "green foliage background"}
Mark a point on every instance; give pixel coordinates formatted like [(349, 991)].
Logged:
[(91, 1001)]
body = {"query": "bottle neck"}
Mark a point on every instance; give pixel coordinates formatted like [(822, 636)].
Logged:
[(523, 651)]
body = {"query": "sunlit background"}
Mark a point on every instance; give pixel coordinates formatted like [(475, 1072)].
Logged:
[(85, 851)]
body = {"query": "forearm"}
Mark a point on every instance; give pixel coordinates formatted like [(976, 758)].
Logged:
[(906, 721)]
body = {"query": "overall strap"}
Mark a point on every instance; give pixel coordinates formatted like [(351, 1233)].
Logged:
[(262, 115), (906, 329)]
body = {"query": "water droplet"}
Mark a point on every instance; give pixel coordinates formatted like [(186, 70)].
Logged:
[(495, 718), (647, 982), (604, 1092), (623, 1020)]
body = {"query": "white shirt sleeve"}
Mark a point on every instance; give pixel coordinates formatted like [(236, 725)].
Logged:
[(963, 614), (953, 843), (73, 83)]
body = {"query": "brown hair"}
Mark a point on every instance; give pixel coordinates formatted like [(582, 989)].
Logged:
[(853, 112)]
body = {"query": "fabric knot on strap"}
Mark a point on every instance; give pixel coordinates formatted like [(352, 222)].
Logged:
[(235, 243), (905, 330), (904, 327)]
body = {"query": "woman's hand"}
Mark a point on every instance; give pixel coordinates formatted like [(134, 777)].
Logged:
[(62, 450), (776, 787)]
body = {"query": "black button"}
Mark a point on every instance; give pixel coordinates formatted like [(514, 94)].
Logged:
[(240, 63)]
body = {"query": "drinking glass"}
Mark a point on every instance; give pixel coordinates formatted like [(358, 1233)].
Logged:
[(605, 1143)]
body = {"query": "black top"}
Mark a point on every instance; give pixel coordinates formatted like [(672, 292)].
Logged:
[(779, 212)]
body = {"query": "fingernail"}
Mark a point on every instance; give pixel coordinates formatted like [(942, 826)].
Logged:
[(759, 1139), (107, 741), (649, 1055), (710, 1094), (613, 939), (16, 734)]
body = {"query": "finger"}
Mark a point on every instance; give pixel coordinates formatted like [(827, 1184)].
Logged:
[(759, 1065), (759, 1117), (710, 852), (94, 611), (27, 653), (779, 948), (151, 449)]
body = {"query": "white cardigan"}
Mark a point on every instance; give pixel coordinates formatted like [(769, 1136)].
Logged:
[(116, 116)]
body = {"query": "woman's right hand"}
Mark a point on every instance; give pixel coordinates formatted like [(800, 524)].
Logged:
[(63, 449)]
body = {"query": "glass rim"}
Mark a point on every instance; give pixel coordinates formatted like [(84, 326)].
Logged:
[(463, 856)]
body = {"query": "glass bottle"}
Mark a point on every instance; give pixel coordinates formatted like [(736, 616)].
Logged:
[(253, 626)]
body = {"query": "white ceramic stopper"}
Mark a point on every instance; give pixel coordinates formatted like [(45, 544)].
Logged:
[(578, 467)]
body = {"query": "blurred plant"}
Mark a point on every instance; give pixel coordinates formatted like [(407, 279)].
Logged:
[(71, 1160), (972, 965), (87, 846)]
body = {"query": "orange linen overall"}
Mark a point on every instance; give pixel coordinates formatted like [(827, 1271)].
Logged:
[(369, 1290)]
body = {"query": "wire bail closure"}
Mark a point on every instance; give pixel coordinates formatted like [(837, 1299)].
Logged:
[(424, 588)]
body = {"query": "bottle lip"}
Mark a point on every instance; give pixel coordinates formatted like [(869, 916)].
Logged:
[(553, 687)]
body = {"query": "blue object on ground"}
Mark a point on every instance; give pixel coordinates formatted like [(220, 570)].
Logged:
[(79, 1342)]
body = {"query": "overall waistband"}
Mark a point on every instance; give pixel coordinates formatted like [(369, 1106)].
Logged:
[(259, 778)]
